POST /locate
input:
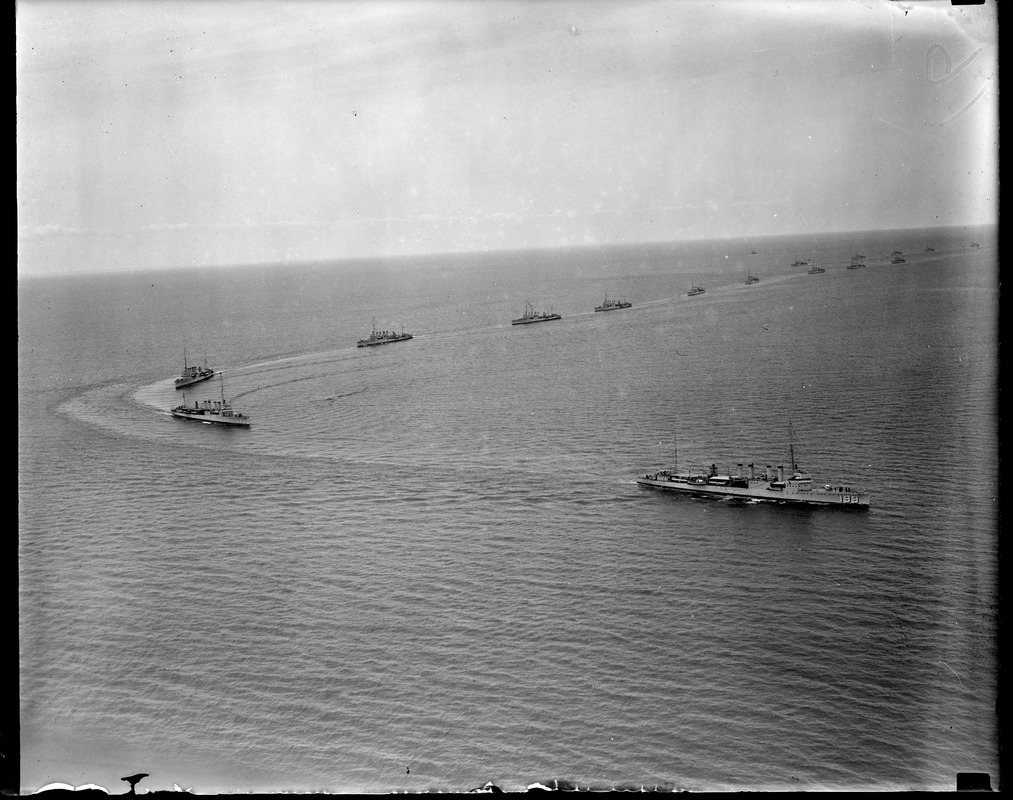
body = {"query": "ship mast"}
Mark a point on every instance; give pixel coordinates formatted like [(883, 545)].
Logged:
[(791, 446)]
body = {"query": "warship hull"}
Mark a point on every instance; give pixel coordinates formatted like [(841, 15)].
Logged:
[(792, 491), (189, 380), (373, 342), (534, 319), (231, 420)]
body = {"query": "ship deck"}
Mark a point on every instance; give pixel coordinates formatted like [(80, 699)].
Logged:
[(762, 491), (234, 421)]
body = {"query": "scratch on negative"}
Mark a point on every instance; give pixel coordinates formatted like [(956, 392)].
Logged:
[(891, 124), (954, 672), (965, 109)]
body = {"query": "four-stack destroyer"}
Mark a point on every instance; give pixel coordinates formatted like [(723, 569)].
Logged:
[(383, 337), (212, 412), (772, 486), (192, 375), (530, 315), (612, 305)]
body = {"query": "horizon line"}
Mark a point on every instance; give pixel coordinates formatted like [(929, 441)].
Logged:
[(460, 253)]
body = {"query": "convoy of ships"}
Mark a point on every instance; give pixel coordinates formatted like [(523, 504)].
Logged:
[(774, 484)]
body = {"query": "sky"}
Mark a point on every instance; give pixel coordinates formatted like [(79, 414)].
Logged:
[(165, 133)]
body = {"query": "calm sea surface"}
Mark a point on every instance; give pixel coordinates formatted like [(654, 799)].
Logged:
[(428, 565)]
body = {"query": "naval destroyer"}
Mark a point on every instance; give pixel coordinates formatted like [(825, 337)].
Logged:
[(212, 412), (774, 484), (193, 374)]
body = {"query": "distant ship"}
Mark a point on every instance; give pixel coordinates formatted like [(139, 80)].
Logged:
[(751, 279), (930, 249), (857, 263), (800, 263), (795, 487), (191, 375), (530, 315), (611, 305), (752, 252), (816, 270), (383, 337), (696, 290), (212, 412), (897, 260)]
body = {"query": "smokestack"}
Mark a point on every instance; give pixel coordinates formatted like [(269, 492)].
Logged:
[(780, 473), (740, 471)]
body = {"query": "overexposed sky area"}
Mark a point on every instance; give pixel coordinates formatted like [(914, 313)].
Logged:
[(156, 133)]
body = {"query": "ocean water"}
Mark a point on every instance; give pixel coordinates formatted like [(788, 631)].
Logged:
[(428, 565)]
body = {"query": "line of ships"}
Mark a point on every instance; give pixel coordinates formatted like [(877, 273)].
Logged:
[(796, 486)]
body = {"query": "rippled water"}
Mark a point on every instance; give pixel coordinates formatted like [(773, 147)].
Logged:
[(428, 565)]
